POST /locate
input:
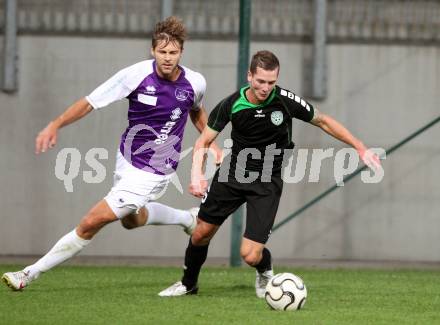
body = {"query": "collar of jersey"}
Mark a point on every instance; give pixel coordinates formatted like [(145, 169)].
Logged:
[(242, 103)]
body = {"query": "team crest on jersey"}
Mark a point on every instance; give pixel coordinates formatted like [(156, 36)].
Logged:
[(181, 94), (276, 117)]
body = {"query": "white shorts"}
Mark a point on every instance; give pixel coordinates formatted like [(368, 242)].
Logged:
[(133, 187)]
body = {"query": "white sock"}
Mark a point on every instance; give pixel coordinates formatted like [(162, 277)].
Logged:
[(67, 247), (159, 214)]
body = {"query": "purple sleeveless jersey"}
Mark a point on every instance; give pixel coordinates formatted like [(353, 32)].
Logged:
[(157, 113)]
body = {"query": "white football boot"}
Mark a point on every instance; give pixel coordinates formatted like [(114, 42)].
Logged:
[(194, 213), (17, 280), (177, 289), (261, 281)]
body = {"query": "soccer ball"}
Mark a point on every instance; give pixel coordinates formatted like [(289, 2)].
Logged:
[(286, 291)]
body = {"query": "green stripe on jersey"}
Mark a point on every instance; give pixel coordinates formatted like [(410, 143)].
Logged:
[(242, 103)]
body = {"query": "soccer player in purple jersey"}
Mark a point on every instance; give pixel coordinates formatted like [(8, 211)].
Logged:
[(161, 95)]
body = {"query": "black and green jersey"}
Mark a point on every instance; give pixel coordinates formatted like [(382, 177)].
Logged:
[(264, 126)]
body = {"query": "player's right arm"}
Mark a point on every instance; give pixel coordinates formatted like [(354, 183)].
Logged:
[(217, 120), (117, 87), (47, 138), (199, 183)]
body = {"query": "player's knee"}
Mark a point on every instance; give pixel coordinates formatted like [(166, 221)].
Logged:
[(87, 227), (200, 239), (92, 222), (251, 258), (128, 223), (88, 223), (132, 221)]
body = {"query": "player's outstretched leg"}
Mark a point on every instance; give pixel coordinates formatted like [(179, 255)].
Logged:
[(16, 280), (68, 246), (192, 226), (160, 214)]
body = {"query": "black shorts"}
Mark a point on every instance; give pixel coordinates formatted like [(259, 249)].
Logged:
[(262, 200)]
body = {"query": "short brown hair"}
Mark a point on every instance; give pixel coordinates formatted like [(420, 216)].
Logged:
[(265, 60), (169, 30)]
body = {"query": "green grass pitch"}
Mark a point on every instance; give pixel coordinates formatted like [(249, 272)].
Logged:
[(128, 295)]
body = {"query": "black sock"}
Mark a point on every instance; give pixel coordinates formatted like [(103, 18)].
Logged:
[(195, 256), (265, 263)]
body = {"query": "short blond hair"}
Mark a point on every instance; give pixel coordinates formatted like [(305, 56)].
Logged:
[(171, 29)]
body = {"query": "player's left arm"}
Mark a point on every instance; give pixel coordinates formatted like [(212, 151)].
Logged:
[(199, 183), (340, 132), (200, 118)]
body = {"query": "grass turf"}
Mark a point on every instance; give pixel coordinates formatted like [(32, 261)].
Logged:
[(128, 295)]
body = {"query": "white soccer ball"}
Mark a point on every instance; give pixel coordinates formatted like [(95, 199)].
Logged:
[(286, 291)]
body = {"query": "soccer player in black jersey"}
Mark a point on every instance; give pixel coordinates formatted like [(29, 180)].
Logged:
[(261, 114)]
